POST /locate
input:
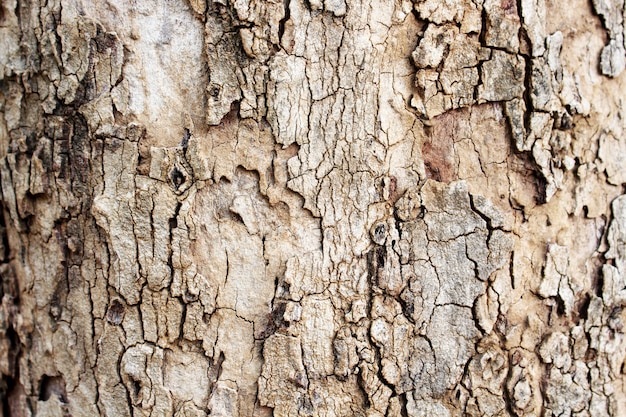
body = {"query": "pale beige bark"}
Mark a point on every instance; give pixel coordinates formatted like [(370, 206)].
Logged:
[(312, 208)]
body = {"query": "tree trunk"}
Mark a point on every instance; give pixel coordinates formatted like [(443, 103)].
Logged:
[(312, 208)]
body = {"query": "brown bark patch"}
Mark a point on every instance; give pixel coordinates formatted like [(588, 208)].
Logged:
[(509, 7), (438, 150)]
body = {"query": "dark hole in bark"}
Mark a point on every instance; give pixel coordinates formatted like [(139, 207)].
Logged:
[(189, 297), (285, 19), (59, 297), (381, 254), (277, 314), (136, 388), (177, 177), (8, 280), (214, 91), (173, 223), (6, 384), (115, 313), (403, 402), (583, 307), (560, 306), (600, 284), (407, 302), (379, 232), (52, 385), (540, 186), (305, 405), (5, 239), (237, 217), (275, 321), (566, 121), (615, 321), (104, 40), (185, 141), (362, 384), (13, 397)]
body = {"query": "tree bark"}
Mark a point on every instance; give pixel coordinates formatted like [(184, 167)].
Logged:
[(312, 208)]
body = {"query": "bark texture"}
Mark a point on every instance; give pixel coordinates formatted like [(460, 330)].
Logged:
[(312, 208)]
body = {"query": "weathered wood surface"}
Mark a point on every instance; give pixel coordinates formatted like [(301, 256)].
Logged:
[(312, 208)]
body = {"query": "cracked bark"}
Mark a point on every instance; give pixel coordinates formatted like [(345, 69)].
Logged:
[(338, 207)]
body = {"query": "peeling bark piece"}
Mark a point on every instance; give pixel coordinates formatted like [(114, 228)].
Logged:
[(555, 350), (487, 209), (259, 40), (556, 282), (515, 110), (141, 369), (288, 120), (418, 406), (488, 369), (617, 234), (441, 280), (502, 76), (612, 152), (223, 401), (113, 214), (613, 290), (455, 71), (302, 275), (465, 12), (223, 88), (337, 7), (542, 93), (502, 24), (533, 20), (455, 271), (75, 33), (231, 345), (459, 85), (408, 207), (283, 382), (613, 56), (452, 332), (456, 55), (445, 204), (555, 270), (317, 351), (180, 368), (565, 395), (432, 47)]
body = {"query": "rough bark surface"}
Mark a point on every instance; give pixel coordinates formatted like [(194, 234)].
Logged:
[(312, 208)]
